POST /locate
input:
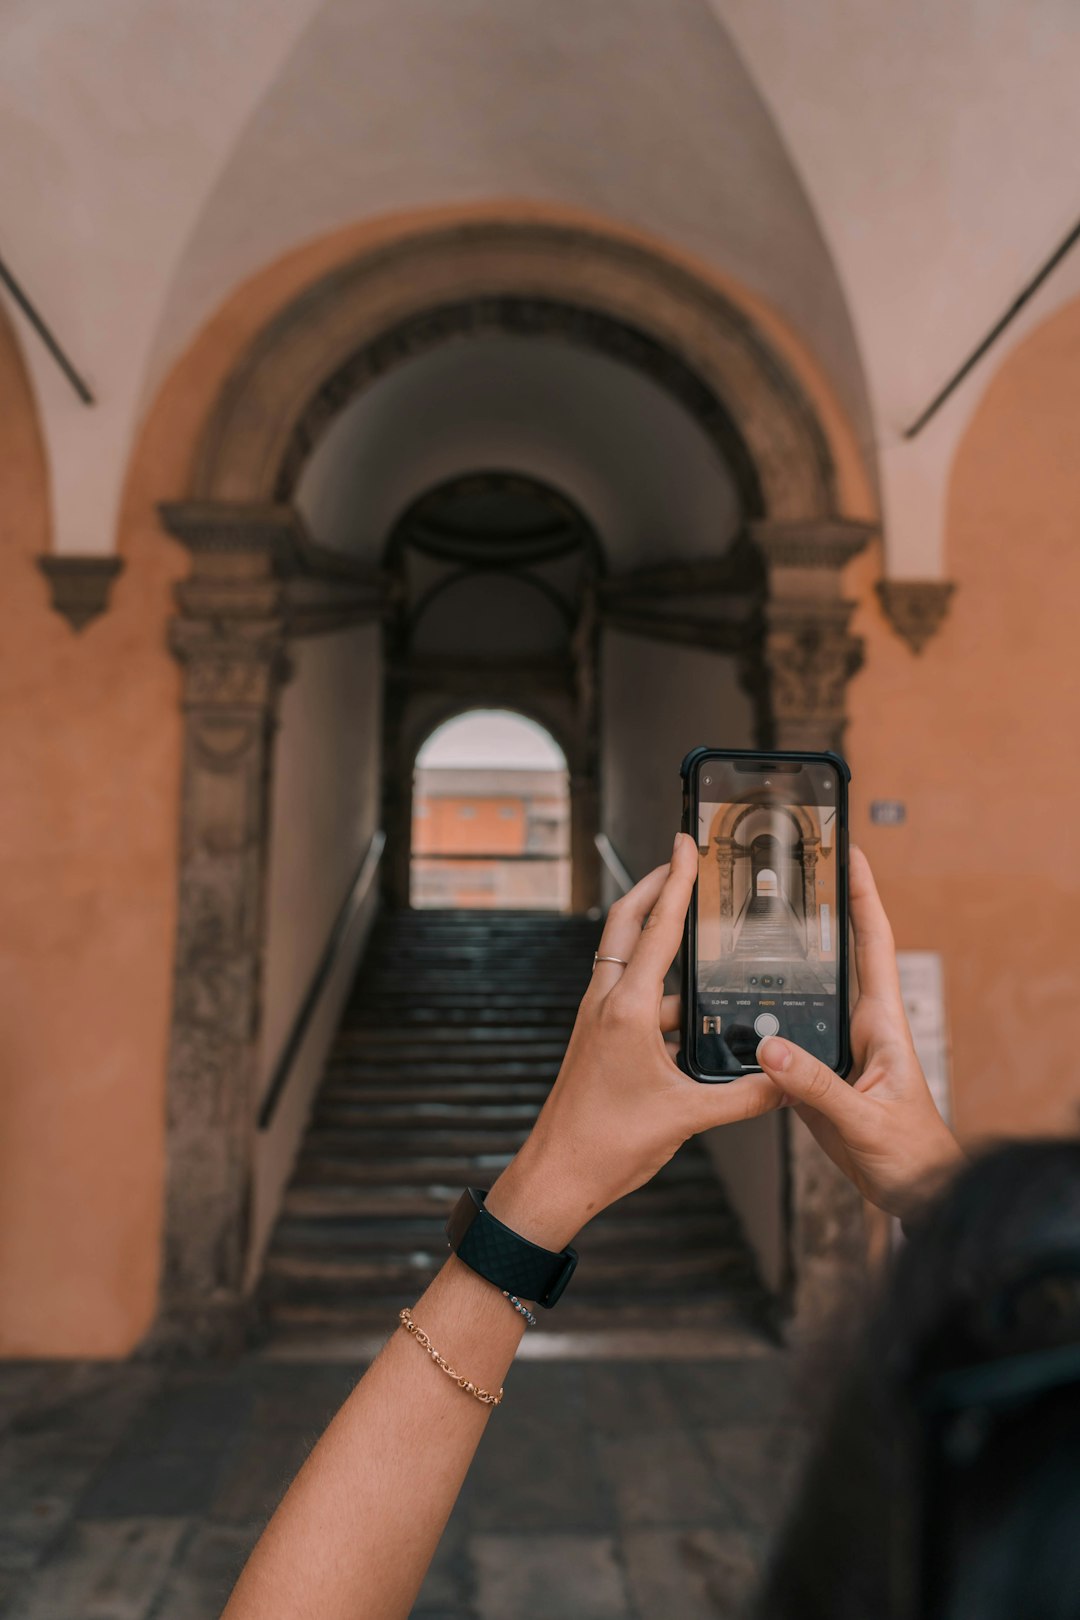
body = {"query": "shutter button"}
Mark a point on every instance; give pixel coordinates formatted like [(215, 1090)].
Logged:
[(766, 1024)]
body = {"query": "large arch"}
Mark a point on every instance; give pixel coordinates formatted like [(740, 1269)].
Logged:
[(529, 278), (259, 581)]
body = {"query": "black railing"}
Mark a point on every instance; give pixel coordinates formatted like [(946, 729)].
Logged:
[(359, 890)]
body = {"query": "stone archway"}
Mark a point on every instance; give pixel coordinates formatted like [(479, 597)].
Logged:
[(258, 581)]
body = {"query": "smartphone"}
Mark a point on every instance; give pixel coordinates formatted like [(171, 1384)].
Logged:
[(766, 945)]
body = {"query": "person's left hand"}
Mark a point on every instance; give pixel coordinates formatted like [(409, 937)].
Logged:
[(621, 1107)]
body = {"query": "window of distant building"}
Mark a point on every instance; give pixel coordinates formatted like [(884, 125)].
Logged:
[(506, 777)]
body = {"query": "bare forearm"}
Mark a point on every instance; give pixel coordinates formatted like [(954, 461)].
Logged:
[(357, 1530)]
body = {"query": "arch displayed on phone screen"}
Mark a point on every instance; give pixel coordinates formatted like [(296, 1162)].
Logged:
[(767, 935)]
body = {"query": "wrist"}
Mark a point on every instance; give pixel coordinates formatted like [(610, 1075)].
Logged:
[(534, 1200), (935, 1173)]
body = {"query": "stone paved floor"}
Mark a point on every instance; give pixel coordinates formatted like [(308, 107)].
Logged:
[(602, 1491)]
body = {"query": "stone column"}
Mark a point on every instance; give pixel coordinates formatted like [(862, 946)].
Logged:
[(725, 860), (257, 580), (807, 653), (798, 673), (230, 641), (811, 849)]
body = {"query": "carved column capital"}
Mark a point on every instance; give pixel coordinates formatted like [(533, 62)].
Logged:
[(798, 664), (810, 656), (915, 608)]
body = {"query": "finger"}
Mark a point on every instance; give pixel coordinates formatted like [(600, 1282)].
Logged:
[(622, 930), (875, 952), (670, 1013), (662, 935), (735, 1100), (804, 1080)]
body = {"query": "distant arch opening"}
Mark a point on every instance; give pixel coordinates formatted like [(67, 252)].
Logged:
[(491, 816)]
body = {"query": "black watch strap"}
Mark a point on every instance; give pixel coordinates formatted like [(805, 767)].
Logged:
[(504, 1257)]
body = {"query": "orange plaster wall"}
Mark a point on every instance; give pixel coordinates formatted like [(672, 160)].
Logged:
[(980, 736), (88, 784)]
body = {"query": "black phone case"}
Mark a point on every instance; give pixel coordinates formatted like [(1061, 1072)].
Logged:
[(689, 945)]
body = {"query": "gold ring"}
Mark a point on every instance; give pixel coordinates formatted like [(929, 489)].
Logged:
[(618, 959)]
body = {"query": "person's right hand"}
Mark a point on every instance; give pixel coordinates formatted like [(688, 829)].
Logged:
[(884, 1131)]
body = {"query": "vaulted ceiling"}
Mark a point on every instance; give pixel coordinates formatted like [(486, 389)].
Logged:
[(885, 177)]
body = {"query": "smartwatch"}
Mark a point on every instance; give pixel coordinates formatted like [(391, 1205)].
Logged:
[(503, 1257)]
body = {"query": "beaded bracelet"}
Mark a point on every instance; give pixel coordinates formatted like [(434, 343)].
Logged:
[(482, 1395), (522, 1310)]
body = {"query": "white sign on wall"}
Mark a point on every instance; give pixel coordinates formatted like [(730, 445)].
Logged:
[(922, 985)]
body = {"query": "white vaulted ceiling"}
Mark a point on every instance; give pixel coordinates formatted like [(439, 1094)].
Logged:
[(884, 175)]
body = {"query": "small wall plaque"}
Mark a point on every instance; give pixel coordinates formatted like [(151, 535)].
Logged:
[(888, 813)]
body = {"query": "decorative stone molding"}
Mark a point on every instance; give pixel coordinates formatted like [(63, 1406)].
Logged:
[(799, 660), (809, 657), (819, 543), (256, 580), (233, 667), (79, 586), (259, 559), (915, 608), (574, 284), (797, 667)]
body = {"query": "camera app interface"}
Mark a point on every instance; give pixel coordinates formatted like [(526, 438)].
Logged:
[(767, 926)]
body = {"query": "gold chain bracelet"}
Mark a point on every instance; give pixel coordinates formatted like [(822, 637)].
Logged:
[(482, 1395)]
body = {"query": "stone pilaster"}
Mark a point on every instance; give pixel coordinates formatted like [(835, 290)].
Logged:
[(726, 850), (798, 675), (229, 638), (257, 581), (807, 653)]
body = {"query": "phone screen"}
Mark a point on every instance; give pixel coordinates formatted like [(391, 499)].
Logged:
[(769, 934)]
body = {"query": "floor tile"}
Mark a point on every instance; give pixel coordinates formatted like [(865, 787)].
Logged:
[(700, 1574), (548, 1577), (663, 1479), (536, 1468), (759, 1470), (111, 1571), (205, 1572)]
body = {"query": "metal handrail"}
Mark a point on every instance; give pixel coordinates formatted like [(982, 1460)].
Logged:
[(479, 855), (358, 893), (611, 859)]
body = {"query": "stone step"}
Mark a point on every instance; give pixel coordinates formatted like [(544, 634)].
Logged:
[(309, 1331), (356, 1140), (524, 1002), (428, 1061), (405, 1089), (314, 1277), (477, 1168), (411, 1117), (347, 1235), (490, 1036), (348, 1201)]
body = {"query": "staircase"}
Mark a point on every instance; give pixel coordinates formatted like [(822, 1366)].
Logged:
[(769, 934), (450, 1042)]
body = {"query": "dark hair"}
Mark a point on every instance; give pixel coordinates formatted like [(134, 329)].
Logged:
[(947, 1483)]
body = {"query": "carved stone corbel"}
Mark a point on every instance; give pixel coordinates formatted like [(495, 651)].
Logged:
[(915, 608), (79, 586)]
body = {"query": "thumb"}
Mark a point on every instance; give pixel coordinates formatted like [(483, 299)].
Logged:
[(804, 1080)]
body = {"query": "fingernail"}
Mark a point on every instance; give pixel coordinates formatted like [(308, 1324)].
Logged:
[(773, 1054), (675, 845)]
